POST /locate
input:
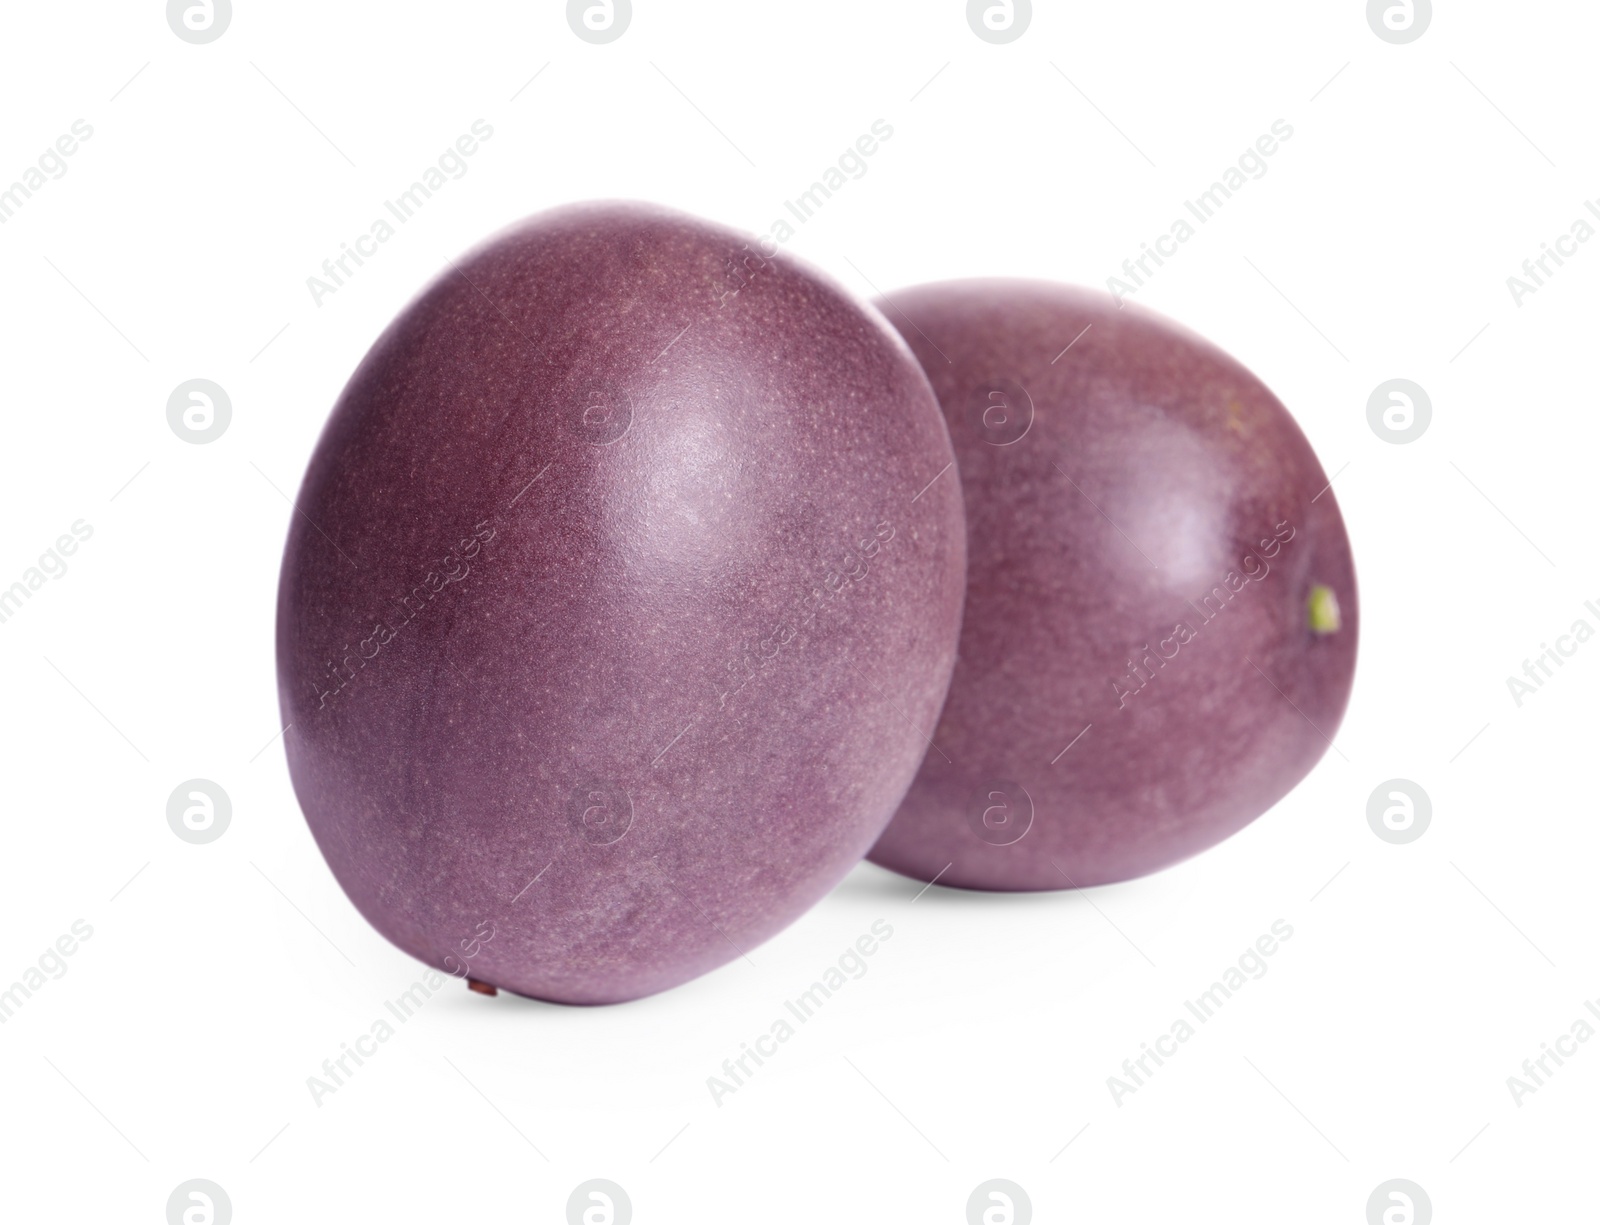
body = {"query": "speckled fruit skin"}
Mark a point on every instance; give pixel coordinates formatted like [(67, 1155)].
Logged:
[(1153, 484), (611, 621)]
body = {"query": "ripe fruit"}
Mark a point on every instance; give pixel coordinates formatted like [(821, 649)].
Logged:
[(620, 588), (1161, 621)]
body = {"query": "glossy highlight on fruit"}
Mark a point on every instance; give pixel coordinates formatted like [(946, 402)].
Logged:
[(621, 582), (1161, 618)]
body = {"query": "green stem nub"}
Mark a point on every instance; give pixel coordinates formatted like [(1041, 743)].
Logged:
[(1322, 610)]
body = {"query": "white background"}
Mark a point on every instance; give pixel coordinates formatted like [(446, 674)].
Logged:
[(178, 1043)]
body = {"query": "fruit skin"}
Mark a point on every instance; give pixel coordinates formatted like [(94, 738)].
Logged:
[(615, 530), (1153, 469)]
